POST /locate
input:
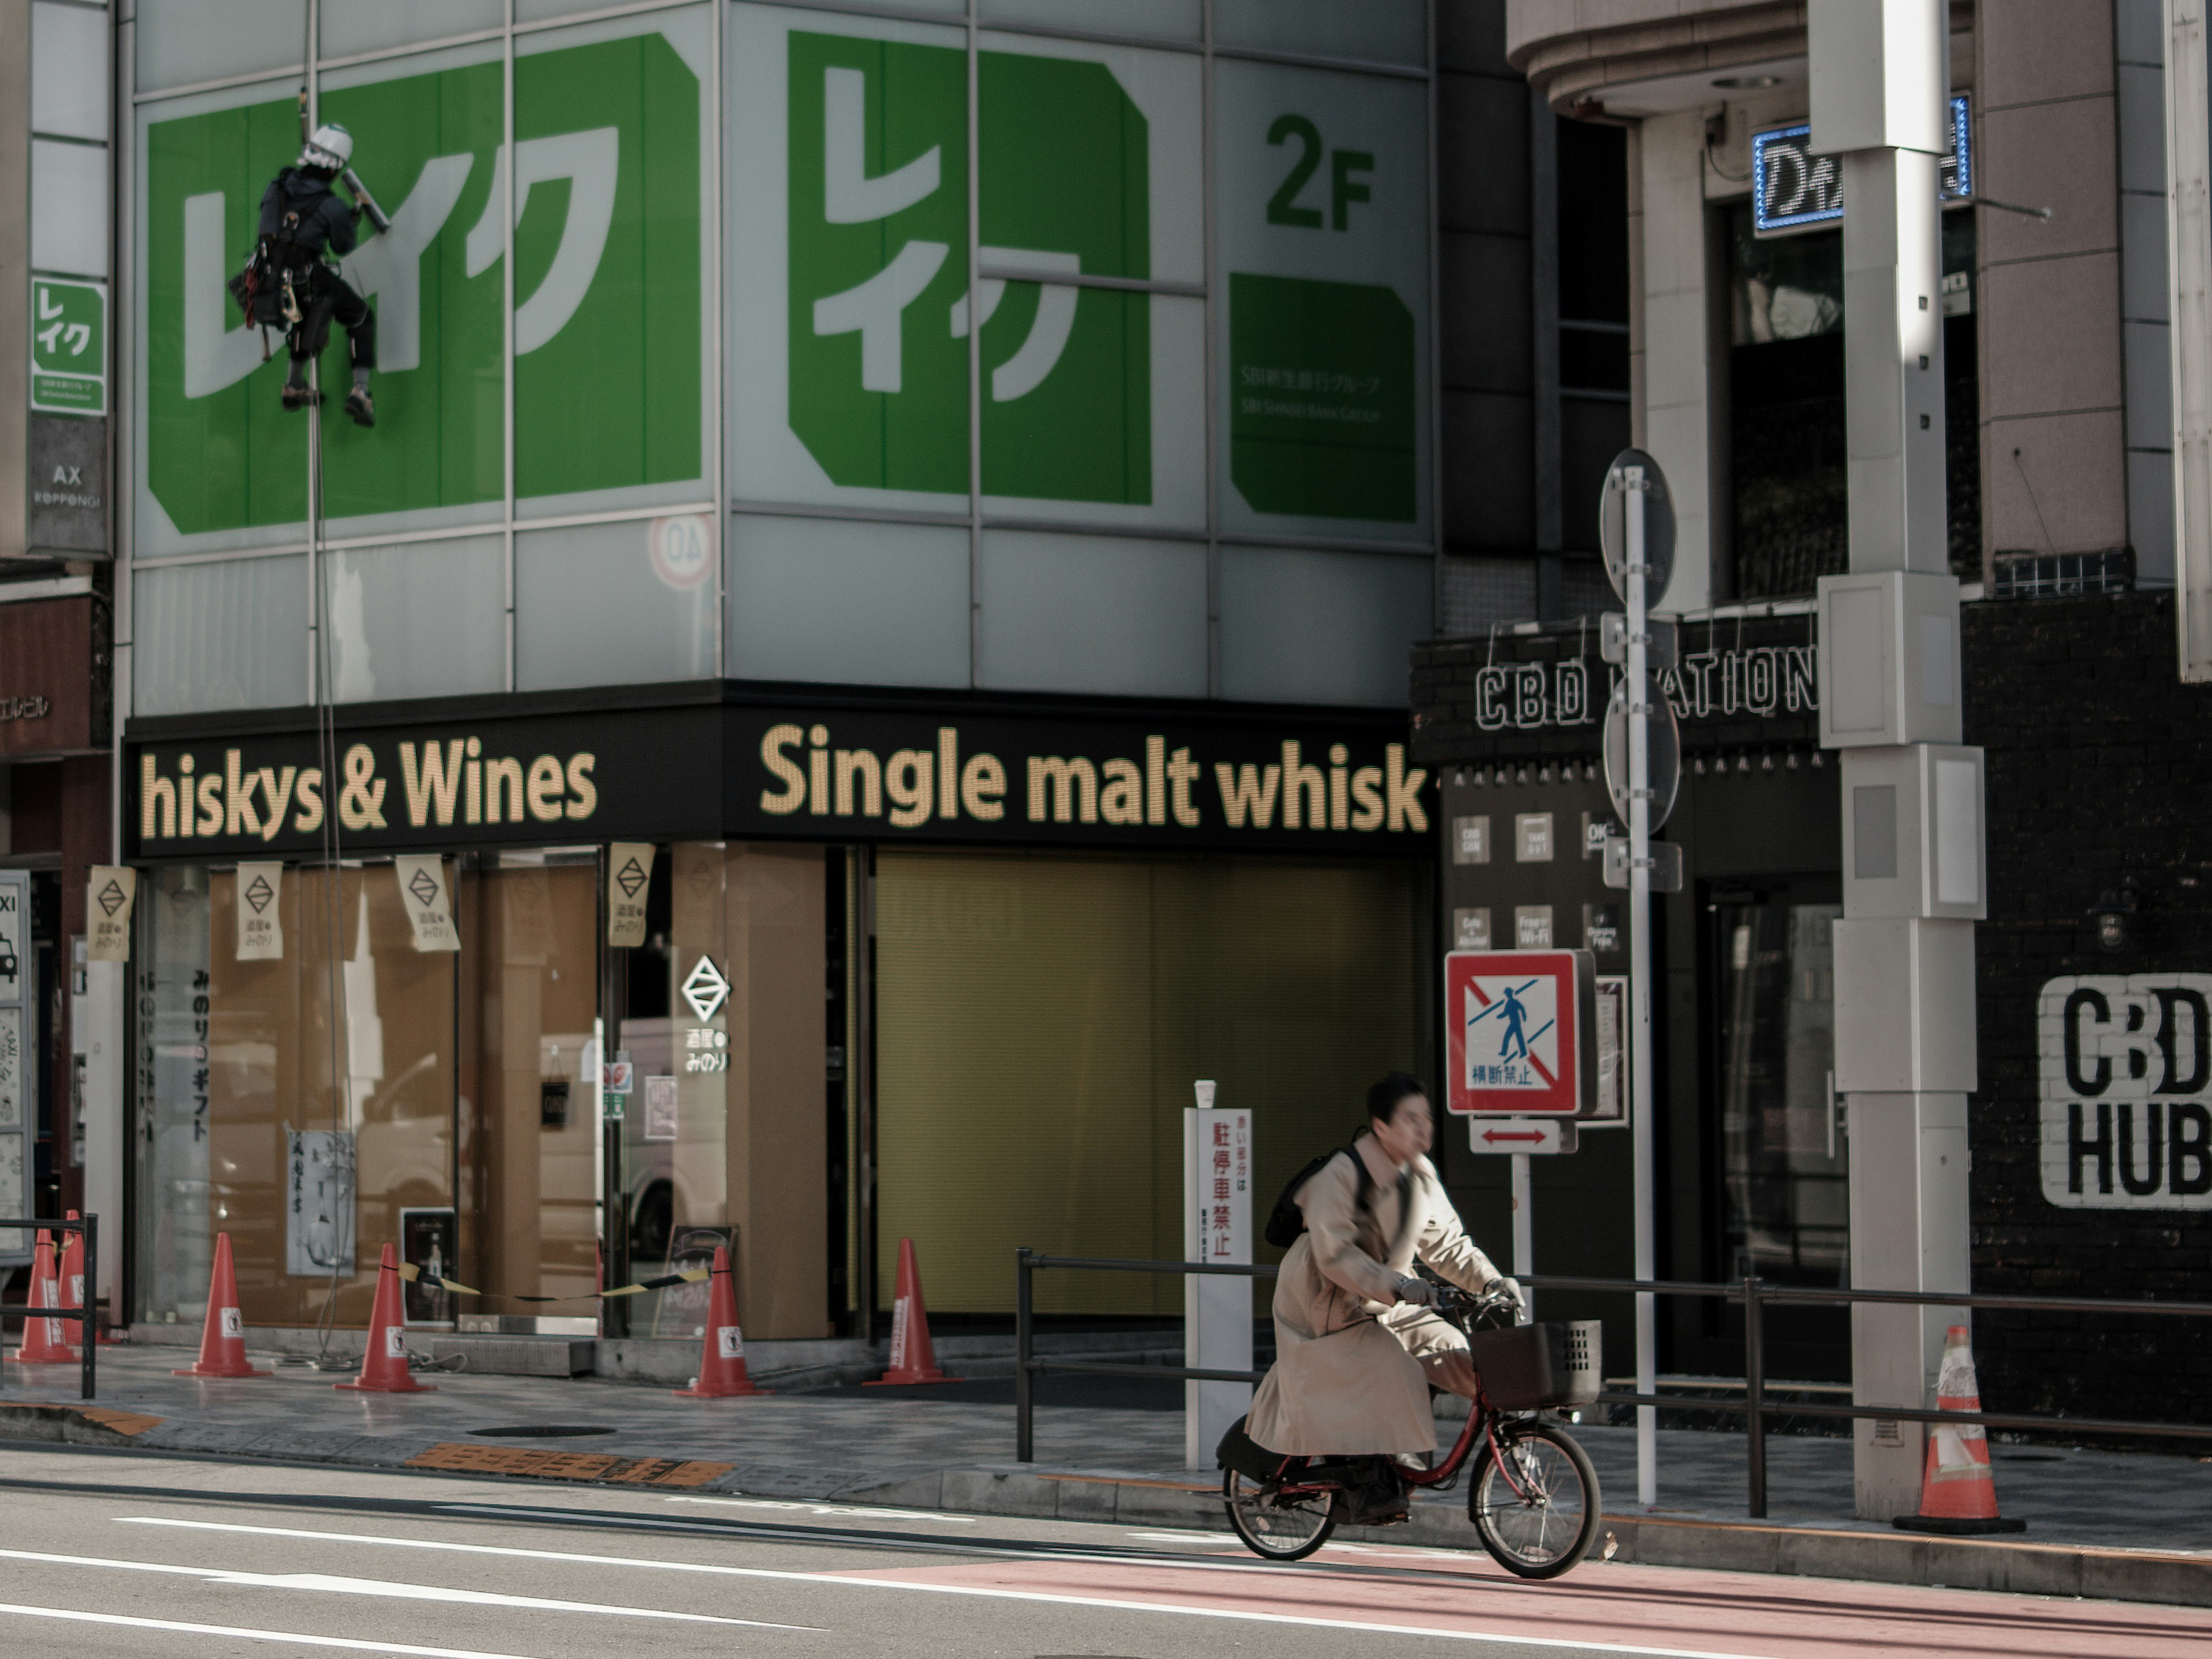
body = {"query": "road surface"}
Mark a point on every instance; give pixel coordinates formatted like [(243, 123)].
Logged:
[(130, 1554)]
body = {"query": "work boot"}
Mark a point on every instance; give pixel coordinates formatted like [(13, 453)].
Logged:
[(357, 404), (297, 396)]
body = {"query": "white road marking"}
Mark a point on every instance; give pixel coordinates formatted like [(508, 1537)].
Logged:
[(252, 1635), (385, 1586), (831, 1509), (1109, 1603)]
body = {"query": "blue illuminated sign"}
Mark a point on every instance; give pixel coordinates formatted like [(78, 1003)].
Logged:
[(1795, 188)]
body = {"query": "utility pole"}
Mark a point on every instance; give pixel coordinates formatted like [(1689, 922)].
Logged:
[(1890, 701)]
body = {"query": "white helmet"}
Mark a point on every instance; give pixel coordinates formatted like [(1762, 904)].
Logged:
[(332, 147)]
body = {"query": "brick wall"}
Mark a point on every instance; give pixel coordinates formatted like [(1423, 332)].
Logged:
[(2099, 768)]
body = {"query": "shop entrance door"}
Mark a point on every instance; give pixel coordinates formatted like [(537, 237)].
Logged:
[(1774, 1125), (531, 1159)]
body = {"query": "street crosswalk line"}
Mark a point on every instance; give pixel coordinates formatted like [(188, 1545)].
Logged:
[(391, 1588), (246, 1633)]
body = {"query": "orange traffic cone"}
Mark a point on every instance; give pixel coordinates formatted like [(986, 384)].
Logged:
[(722, 1374), (912, 1359), (384, 1362), (222, 1341), (72, 1284), (42, 1338), (1958, 1494)]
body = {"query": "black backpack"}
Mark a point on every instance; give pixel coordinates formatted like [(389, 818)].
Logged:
[(1287, 1221)]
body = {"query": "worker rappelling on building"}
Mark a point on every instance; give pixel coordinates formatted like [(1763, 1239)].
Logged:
[(293, 280)]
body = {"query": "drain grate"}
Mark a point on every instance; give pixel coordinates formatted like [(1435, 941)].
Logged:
[(541, 1432)]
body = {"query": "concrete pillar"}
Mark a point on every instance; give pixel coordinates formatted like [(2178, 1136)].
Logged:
[(1674, 404), (1889, 646)]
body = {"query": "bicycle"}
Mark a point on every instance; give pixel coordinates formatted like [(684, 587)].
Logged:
[(1533, 1495)]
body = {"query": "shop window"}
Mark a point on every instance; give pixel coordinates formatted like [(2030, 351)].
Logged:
[(231, 634), (1099, 614), (1787, 447), (1301, 625), (417, 619), (324, 1076), (615, 603), (347, 1089), (1039, 1023), (1593, 300), (847, 602)]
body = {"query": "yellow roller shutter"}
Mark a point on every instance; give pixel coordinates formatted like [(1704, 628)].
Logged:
[(1040, 1019)]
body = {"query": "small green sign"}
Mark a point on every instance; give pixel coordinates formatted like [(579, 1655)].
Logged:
[(68, 347), (1321, 418)]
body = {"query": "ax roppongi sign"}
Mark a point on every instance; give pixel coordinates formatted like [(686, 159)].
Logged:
[(1520, 1031)]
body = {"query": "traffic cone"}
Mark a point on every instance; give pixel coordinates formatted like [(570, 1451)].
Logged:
[(72, 1285), (222, 1341), (912, 1359), (722, 1374), (384, 1362), (42, 1338), (1957, 1493)]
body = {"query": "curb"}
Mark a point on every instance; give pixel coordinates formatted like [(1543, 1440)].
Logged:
[(1129, 1498), (1880, 1556)]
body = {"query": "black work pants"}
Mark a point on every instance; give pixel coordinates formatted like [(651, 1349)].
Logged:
[(328, 298)]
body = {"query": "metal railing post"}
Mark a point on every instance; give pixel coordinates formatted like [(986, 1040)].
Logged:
[(1754, 1387), (88, 1304), (1024, 1400)]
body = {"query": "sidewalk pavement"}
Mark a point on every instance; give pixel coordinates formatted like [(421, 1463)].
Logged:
[(2126, 1526)]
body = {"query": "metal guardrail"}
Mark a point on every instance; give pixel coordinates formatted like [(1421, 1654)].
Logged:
[(1756, 1296), (1026, 1366), (88, 1314)]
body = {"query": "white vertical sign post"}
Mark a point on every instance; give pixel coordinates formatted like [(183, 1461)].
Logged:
[(1217, 1184), (1639, 979), (1643, 771)]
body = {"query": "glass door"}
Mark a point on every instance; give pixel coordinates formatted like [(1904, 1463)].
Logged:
[(1785, 1211)]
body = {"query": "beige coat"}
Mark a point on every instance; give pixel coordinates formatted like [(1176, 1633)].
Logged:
[(1349, 1377)]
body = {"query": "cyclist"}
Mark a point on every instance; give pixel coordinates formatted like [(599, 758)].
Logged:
[(1357, 1346)]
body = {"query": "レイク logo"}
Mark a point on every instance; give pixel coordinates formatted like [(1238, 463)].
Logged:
[(879, 322)]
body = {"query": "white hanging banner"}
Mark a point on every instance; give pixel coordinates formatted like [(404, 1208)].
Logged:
[(109, 890), (629, 883), (423, 890), (260, 912)]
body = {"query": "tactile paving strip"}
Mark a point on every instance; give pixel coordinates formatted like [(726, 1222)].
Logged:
[(569, 1466)]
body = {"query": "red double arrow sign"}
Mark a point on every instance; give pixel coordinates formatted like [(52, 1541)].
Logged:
[(1535, 1135)]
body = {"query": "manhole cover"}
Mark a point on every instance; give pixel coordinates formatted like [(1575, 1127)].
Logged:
[(541, 1432)]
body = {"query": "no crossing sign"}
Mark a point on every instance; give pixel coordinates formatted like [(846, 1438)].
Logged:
[(1520, 1032)]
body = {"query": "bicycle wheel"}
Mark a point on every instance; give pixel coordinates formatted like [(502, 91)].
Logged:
[(1282, 1527), (1538, 1517)]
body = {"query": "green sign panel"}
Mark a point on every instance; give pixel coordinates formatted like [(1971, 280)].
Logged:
[(607, 282), (1323, 198), (879, 279), (68, 347), (1322, 399)]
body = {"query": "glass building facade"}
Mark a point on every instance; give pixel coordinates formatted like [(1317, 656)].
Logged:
[(927, 506)]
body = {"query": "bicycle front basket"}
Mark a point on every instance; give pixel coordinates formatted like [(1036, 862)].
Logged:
[(1528, 1367)]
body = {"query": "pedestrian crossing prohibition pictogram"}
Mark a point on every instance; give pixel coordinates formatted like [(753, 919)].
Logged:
[(1517, 1030)]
